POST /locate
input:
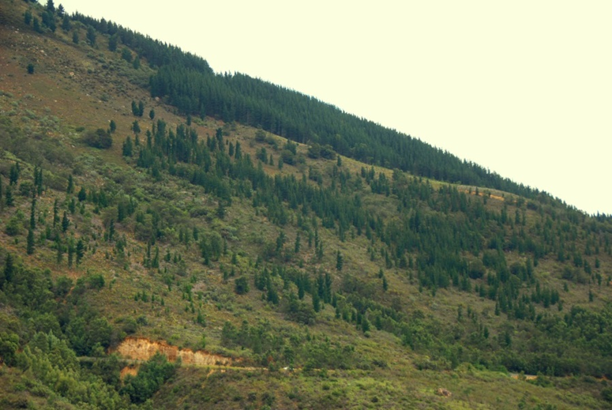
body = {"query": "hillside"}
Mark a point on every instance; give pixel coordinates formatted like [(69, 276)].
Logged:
[(311, 260)]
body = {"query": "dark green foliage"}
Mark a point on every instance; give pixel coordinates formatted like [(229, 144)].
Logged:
[(431, 236), (87, 333), (247, 100), (14, 226), (91, 36), (82, 195), (9, 344), (66, 26), (9, 270), (70, 187), (127, 147), (126, 54), (27, 17), (50, 6), (606, 394), (112, 42), (136, 127), (99, 138), (48, 20), (289, 347), (49, 360), (14, 173), (80, 252), (151, 376), (300, 312), (36, 25), (138, 111), (30, 68), (65, 222), (241, 285), (8, 197), (30, 242)]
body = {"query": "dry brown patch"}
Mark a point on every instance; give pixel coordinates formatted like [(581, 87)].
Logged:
[(140, 348), (131, 370)]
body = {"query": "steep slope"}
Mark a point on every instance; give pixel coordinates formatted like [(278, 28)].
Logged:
[(373, 287)]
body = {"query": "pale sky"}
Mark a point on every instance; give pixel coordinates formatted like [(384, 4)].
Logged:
[(522, 88)]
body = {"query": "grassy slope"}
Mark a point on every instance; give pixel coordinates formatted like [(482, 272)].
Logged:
[(78, 86)]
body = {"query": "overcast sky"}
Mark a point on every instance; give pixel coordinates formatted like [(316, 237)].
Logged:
[(522, 88)]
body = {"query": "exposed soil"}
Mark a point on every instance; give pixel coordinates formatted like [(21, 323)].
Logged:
[(142, 349)]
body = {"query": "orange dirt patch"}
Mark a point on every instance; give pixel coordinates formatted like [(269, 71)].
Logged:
[(527, 376), (140, 348), (131, 370)]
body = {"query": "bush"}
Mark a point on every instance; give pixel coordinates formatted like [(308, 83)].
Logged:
[(241, 285), (99, 138), (149, 379), (14, 226), (606, 394)]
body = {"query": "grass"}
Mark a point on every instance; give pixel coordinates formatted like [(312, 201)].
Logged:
[(77, 88)]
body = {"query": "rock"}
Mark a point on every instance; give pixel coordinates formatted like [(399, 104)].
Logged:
[(443, 392)]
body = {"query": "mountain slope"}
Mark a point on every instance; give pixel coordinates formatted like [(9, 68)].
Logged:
[(374, 287)]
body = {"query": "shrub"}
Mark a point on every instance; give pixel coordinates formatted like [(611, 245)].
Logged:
[(99, 138), (14, 226), (149, 379), (241, 285), (606, 394)]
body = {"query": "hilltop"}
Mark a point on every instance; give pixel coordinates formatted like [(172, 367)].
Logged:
[(319, 260)]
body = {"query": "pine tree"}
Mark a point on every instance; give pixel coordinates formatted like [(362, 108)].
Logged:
[(80, 251), (65, 222), (82, 195), (9, 268), (66, 23), (127, 147), (112, 42), (50, 6), (8, 196), (91, 36), (70, 188), (36, 25), (30, 243), (33, 214), (296, 248), (14, 174)]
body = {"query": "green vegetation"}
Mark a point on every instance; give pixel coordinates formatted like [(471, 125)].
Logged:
[(328, 280)]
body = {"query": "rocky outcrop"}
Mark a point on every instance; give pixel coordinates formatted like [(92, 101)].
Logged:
[(140, 348)]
